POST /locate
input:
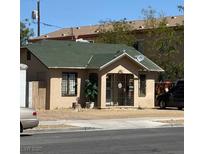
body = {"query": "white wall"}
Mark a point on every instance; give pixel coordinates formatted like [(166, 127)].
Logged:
[(23, 85)]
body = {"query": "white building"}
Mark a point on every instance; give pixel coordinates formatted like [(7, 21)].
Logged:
[(23, 68)]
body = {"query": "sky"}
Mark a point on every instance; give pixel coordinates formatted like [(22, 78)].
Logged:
[(75, 13)]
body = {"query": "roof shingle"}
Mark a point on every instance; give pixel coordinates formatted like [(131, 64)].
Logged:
[(70, 54)]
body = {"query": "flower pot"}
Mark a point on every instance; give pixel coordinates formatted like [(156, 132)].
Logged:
[(91, 105)]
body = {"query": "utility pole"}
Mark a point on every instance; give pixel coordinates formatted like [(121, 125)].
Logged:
[(38, 10)]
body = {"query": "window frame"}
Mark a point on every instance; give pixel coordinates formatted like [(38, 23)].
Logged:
[(76, 85)]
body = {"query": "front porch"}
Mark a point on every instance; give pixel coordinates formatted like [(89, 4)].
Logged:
[(119, 90), (124, 84)]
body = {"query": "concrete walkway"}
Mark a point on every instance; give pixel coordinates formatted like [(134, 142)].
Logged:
[(114, 124)]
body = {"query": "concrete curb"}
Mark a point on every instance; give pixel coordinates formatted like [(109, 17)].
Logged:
[(63, 130), (105, 124)]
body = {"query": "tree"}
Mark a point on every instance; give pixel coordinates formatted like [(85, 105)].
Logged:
[(116, 32), (25, 32), (165, 44), (162, 44)]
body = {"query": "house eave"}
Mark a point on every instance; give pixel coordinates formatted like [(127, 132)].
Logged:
[(120, 56), (56, 67)]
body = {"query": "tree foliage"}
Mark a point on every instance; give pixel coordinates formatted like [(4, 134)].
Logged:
[(162, 44), (116, 32), (25, 32), (165, 42)]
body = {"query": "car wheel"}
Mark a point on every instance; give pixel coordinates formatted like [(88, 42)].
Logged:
[(162, 104), (21, 128)]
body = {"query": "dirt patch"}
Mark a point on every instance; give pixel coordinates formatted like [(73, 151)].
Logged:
[(89, 114)]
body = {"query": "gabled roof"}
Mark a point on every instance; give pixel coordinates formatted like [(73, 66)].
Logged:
[(172, 21), (70, 54)]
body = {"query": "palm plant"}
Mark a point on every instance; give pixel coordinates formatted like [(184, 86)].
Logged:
[(90, 90)]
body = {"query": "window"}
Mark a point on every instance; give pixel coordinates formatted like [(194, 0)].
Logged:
[(69, 84), (142, 86)]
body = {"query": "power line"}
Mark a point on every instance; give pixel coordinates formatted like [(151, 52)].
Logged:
[(45, 24)]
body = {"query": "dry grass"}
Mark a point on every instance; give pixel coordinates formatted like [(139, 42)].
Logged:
[(70, 114)]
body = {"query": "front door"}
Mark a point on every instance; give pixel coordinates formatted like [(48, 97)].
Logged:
[(120, 89)]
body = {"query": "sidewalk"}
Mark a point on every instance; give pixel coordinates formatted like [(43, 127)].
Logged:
[(105, 124), (106, 119), (128, 123)]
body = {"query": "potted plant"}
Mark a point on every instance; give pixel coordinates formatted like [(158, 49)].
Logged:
[(90, 93)]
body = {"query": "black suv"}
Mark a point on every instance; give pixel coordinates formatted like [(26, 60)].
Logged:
[(173, 98)]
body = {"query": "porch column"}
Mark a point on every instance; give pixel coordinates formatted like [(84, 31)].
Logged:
[(102, 92), (136, 87)]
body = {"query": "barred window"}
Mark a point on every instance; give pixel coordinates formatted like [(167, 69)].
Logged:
[(69, 84), (142, 86)]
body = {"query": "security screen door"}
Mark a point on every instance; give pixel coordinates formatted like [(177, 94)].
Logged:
[(119, 90)]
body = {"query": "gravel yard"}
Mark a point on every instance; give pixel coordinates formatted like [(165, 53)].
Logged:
[(89, 114)]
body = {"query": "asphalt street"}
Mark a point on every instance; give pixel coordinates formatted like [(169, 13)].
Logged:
[(132, 141)]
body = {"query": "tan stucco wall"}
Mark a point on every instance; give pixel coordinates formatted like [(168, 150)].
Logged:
[(58, 101), (36, 72), (126, 66), (148, 100)]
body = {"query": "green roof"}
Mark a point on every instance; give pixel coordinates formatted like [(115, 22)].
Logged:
[(70, 54)]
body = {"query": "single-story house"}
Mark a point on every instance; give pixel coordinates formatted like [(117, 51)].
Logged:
[(123, 75)]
